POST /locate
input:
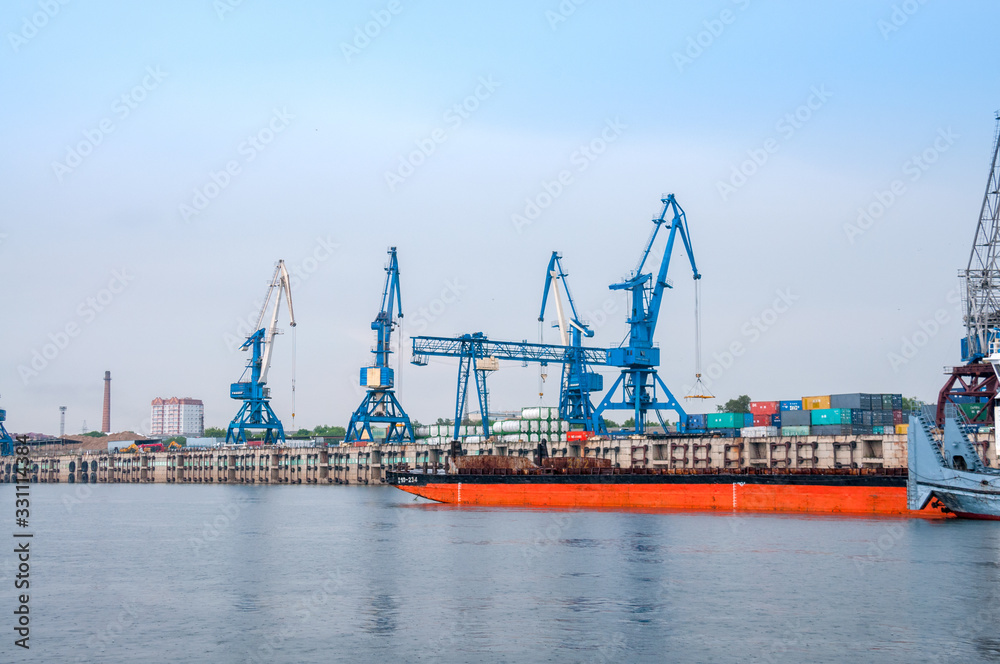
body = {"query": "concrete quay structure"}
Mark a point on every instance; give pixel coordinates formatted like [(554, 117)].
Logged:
[(367, 464)]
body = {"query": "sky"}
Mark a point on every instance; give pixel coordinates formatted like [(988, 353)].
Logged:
[(159, 158)]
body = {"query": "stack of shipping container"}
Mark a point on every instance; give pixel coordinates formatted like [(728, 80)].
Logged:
[(831, 415)]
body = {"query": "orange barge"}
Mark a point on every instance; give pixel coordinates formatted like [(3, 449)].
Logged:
[(847, 492)]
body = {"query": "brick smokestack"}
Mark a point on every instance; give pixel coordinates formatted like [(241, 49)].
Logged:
[(106, 420)]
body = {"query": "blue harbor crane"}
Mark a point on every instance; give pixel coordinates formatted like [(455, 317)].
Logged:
[(479, 355), (380, 406), (6, 442), (637, 356), (578, 381), (256, 414)]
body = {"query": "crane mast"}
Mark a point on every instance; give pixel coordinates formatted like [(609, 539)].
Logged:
[(982, 275), (578, 381), (380, 405), (256, 412)]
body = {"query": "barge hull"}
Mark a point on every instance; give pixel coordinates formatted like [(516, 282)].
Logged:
[(869, 498)]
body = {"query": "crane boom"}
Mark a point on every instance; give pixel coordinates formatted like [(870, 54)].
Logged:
[(280, 284)]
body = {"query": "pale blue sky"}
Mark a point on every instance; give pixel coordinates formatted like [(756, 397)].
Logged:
[(346, 123)]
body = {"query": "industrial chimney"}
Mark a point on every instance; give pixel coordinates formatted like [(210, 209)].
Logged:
[(106, 420)]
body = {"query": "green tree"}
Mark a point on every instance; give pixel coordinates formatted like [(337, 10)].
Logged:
[(911, 404), (329, 432), (611, 424), (302, 433), (215, 432), (629, 423), (95, 434), (180, 440), (442, 422), (740, 404)]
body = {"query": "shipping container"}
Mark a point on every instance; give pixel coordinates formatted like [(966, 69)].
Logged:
[(790, 405), (727, 433), (795, 431), (761, 419), (853, 401), (886, 402), (862, 429), (796, 418), (697, 431), (878, 431), (759, 432), (832, 430), (725, 420), (902, 429), (973, 411), (776, 420), (830, 416), (763, 407), (897, 402), (748, 419), (816, 403), (897, 417), (577, 436), (696, 421)]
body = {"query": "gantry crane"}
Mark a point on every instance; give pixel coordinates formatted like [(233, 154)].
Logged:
[(6, 442), (256, 414), (637, 356), (479, 355), (380, 405), (578, 381)]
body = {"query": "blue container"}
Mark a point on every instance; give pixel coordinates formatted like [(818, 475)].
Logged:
[(696, 430), (748, 419), (696, 422), (897, 402), (852, 401), (728, 433), (776, 420), (790, 405)]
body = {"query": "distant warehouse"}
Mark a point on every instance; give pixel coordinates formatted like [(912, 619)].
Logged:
[(177, 417)]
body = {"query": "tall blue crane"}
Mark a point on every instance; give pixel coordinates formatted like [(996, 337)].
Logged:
[(6, 442), (479, 355), (637, 356), (380, 405), (578, 381), (256, 414)]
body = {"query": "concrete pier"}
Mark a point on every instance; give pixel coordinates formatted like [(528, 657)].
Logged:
[(347, 465)]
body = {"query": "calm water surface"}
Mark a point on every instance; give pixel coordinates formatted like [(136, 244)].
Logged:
[(164, 573)]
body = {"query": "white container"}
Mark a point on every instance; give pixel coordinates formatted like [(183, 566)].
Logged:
[(473, 439), (534, 438), (509, 426), (531, 413), (545, 426), (563, 426), (525, 426), (511, 438), (758, 432)]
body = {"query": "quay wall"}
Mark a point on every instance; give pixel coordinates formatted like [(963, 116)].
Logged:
[(345, 465)]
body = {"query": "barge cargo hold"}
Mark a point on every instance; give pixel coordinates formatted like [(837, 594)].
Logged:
[(847, 492)]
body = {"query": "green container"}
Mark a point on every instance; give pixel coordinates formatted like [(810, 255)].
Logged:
[(795, 431), (825, 416), (972, 411), (725, 420), (878, 430)]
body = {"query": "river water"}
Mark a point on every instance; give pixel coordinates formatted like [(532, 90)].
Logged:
[(192, 573)]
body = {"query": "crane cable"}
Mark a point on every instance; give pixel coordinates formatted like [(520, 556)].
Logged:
[(698, 391), (293, 378)]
